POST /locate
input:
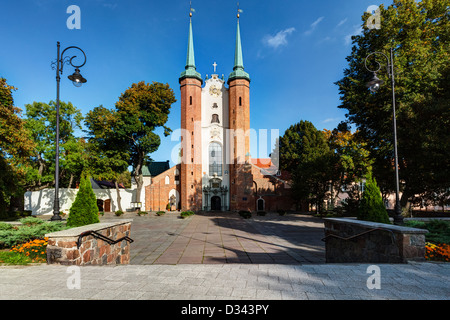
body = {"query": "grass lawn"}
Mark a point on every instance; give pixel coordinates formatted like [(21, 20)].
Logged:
[(13, 258)]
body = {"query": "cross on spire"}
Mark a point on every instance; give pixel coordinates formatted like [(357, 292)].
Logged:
[(238, 10), (214, 65)]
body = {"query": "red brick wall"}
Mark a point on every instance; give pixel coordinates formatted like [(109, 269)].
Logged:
[(241, 196), (191, 145), (274, 192), (157, 193)]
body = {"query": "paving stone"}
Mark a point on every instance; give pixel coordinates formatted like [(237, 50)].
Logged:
[(160, 275)]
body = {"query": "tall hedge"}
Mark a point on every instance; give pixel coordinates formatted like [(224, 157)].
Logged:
[(371, 207), (84, 209)]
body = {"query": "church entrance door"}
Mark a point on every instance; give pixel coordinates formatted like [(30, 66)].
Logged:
[(216, 203)]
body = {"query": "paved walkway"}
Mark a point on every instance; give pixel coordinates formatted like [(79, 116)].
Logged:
[(222, 257), (418, 281), (226, 238)]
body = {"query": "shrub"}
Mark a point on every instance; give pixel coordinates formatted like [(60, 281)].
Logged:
[(281, 212), (415, 224), (245, 214), (186, 214), (438, 230), (160, 213), (31, 221), (84, 210), (118, 213), (5, 226), (371, 207), (261, 213), (15, 235)]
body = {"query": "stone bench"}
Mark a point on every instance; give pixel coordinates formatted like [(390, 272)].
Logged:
[(68, 248), (351, 240)]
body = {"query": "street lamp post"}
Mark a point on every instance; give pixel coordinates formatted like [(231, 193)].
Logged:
[(77, 80), (374, 85)]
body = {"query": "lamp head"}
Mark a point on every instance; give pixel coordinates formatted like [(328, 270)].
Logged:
[(76, 78), (374, 84)]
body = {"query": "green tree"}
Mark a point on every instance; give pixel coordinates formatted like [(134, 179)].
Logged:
[(295, 142), (73, 161), (84, 209), (418, 32), (305, 153), (371, 207), (353, 162), (16, 148), (41, 122), (142, 109), (108, 155)]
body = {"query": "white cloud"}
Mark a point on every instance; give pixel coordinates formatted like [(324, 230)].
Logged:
[(313, 26), (342, 22), (357, 29), (330, 120), (279, 39)]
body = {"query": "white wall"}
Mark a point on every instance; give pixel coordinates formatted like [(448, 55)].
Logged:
[(215, 132), (41, 202)]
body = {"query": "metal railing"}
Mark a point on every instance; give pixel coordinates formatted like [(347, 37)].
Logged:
[(101, 237), (358, 235)]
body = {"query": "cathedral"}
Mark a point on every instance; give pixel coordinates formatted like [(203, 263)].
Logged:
[(216, 171)]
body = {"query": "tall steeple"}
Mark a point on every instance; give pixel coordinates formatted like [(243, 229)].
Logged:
[(190, 186), (238, 69), (240, 173), (190, 71)]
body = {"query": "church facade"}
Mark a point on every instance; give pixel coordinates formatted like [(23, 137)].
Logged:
[(216, 171)]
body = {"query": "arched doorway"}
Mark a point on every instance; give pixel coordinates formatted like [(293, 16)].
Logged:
[(216, 203), (174, 199), (260, 204)]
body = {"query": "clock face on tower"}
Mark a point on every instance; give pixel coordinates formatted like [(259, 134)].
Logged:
[(214, 91)]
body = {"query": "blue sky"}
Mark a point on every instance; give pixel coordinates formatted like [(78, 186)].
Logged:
[(293, 50)]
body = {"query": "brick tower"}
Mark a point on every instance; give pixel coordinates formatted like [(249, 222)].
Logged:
[(241, 180), (191, 167)]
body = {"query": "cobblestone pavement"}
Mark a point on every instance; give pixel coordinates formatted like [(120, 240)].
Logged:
[(226, 238), (414, 281), (222, 257)]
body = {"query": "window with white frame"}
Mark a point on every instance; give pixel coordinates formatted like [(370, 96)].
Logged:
[(215, 159)]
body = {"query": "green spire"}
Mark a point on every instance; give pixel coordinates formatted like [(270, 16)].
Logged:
[(190, 71), (238, 69), (238, 61)]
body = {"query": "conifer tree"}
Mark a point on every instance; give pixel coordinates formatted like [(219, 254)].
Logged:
[(371, 207), (84, 210)]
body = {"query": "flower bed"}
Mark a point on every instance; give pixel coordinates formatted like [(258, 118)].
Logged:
[(437, 252), (35, 249)]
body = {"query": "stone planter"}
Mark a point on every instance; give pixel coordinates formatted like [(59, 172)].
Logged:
[(68, 248), (351, 240)]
